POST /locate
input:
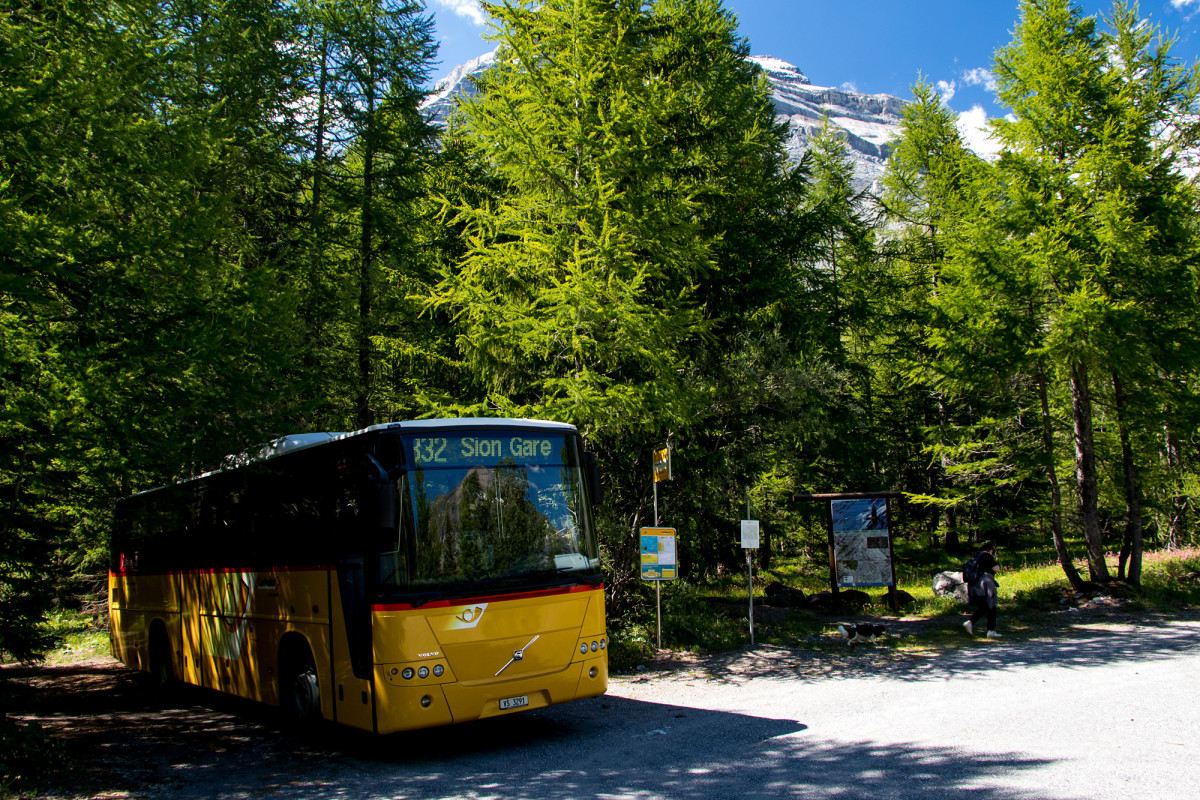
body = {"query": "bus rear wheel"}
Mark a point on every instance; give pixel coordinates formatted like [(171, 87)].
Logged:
[(162, 671), (300, 694)]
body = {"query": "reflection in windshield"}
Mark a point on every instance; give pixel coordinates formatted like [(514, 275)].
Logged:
[(467, 523)]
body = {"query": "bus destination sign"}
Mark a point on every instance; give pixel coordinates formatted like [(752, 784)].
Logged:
[(481, 450)]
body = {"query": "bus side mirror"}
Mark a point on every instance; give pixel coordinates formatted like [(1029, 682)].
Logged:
[(592, 473)]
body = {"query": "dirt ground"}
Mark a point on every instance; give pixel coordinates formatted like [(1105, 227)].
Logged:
[(113, 735)]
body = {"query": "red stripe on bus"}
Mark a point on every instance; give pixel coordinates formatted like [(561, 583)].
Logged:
[(216, 571), (491, 598)]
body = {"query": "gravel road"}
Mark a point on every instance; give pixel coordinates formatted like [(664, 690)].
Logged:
[(1108, 709)]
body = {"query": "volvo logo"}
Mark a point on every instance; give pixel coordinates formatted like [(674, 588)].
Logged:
[(518, 655)]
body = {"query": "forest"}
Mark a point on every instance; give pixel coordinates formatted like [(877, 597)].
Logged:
[(224, 221)]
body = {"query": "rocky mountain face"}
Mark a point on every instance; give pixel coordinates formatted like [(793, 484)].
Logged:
[(868, 121)]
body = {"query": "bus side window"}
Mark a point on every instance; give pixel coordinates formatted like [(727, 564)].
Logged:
[(395, 539)]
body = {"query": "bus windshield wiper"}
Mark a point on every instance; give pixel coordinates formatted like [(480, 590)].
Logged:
[(566, 572), (498, 580)]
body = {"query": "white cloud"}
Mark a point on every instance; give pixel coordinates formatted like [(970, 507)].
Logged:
[(983, 77), (1189, 8), (464, 8), (973, 128), (946, 90), (850, 86)]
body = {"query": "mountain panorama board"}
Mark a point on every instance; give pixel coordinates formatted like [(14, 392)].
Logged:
[(868, 121)]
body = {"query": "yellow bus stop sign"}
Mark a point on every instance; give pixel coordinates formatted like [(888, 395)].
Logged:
[(662, 465)]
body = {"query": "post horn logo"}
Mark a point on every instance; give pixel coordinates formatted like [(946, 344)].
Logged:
[(468, 617)]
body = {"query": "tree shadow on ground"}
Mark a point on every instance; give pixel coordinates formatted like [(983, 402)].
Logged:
[(123, 739), (121, 736)]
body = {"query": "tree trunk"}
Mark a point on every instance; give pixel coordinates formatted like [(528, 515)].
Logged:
[(1085, 472), (364, 416), (315, 209), (949, 520), (1056, 529), (1133, 504), (1179, 503)]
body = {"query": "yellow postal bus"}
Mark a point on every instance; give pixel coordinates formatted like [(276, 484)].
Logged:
[(403, 576)]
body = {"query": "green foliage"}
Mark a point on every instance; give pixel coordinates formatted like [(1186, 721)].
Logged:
[(560, 297), (1042, 301), (27, 756), (151, 317), (225, 220)]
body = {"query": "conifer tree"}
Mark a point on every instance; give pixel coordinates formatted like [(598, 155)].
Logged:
[(578, 293), (925, 189), (1077, 233), (635, 236)]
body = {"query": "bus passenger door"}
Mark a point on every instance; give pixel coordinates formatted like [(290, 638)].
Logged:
[(352, 645)]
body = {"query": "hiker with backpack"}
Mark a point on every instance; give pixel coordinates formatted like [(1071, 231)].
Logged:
[(980, 576)]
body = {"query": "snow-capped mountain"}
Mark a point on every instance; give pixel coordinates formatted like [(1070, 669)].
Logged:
[(460, 81), (869, 121)]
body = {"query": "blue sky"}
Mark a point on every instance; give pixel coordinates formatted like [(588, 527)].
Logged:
[(874, 46)]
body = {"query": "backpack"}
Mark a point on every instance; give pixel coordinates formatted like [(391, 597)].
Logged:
[(970, 571)]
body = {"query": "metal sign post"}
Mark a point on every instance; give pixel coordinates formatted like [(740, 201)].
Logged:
[(660, 471), (750, 542)]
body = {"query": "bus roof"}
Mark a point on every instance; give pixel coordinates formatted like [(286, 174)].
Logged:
[(302, 441)]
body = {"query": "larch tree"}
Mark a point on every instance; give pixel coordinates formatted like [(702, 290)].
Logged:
[(374, 57), (578, 292), (1078, 230), (635, 231), (925, 189)]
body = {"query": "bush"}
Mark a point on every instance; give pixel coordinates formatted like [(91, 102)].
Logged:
[(27, 755)]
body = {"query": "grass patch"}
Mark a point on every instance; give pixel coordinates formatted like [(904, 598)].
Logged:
[(714, 616), (76, 636)]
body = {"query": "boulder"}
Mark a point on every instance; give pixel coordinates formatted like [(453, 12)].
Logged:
[(903, 598), (855, 598), (846, 598), (780, 595), (950, 584), (821, 600)]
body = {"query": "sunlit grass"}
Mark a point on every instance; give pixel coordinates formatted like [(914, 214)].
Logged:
[(714, 615), (77, 636)]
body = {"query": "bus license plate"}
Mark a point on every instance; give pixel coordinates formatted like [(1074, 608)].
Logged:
[(514, 702)]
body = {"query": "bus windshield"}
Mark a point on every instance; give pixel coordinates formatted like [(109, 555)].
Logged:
[(488, 507)]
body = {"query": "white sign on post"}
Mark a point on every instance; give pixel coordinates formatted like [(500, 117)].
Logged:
[(750, 534)]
